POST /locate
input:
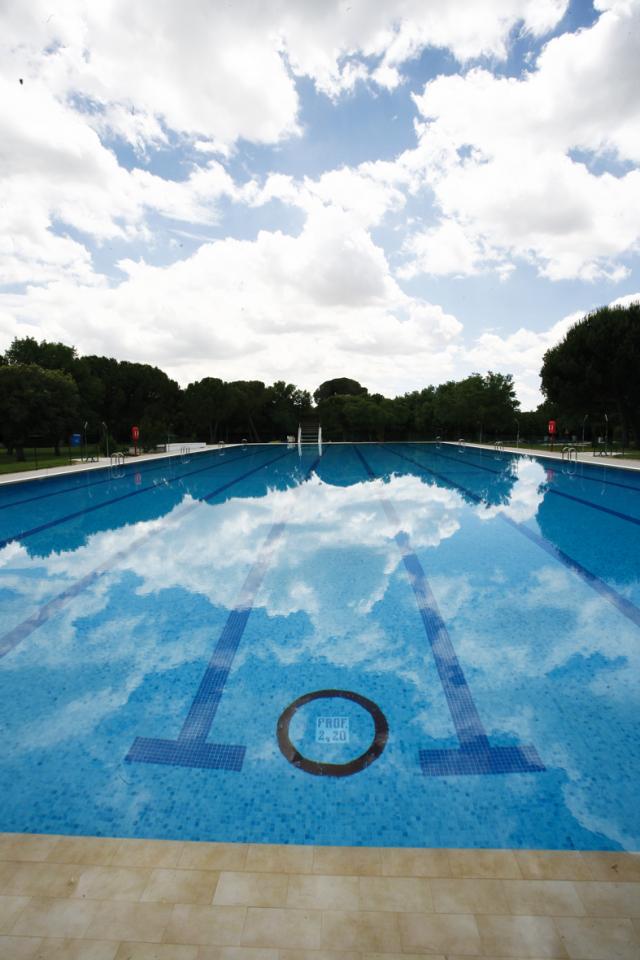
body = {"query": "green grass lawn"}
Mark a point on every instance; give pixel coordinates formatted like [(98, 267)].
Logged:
[(34, 459)]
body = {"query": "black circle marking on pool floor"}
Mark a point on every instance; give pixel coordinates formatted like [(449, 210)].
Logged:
[(317, 768)]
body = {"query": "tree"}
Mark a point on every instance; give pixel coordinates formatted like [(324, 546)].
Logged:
[(49, 356), (37, 402), (476, 405), (596, 369), (340, 387)]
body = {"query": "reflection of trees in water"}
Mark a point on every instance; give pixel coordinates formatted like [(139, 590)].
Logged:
[(166, 489)]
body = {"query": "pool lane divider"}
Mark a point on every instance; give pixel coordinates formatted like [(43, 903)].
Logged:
[(131, 468), (23, 630), (191, 748), (106, 503), (627, 517), (621, 603), (476, 755)]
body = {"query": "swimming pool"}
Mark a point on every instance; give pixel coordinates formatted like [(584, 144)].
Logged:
[(398, 644)]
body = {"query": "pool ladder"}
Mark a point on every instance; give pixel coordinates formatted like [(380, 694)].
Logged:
[(116, 466), (498, 447), (461, 444), (570, 460)]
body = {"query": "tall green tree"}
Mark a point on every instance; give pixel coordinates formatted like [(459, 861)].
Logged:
[(36, 403), (341, 386), (595, 369)]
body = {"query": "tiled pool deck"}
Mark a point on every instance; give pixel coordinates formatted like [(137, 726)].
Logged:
[(111, 899)]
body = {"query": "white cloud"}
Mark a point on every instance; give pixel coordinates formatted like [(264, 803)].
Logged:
[(509, 159), (302, 308)]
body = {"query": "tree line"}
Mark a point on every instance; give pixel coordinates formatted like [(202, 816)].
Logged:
[(48, 392)]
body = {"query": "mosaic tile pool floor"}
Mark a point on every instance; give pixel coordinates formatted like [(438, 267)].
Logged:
[(398, 645)]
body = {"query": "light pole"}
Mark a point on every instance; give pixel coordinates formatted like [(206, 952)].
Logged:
[(584, 421), (517, 434), (106, 434)]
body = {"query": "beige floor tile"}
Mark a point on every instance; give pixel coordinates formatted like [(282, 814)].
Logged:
[(119, 920), (319, 955), (213, 856), (10, 910), (19, 948), (552, 865), (26, 846), (439, 933), (415, 863), (398, 894), (205, 926), (239, 953), (602, 899), (590, 939), (536, 937), (636, 926), (469, 896), (315, 892), (76, 950), (361, 930), (147, 853), (98, 851), (39, 879), (266, 927), (279, 859), (488, 864), (347, 861), (180, 886), (46, 917), (156, 951), (111, 883), (251, 889), (613, 866), (535, 898), (403, 956)]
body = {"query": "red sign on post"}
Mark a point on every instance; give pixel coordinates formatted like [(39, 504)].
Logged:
[(135, 433), (553, 427)]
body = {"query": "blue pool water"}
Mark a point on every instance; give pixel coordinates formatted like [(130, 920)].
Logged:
[(386, 645)]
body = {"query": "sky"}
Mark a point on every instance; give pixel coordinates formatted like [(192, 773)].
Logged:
[(400, 191)]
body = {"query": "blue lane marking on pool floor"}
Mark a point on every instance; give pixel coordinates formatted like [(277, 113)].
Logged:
[(48, 610), (556, 493), (130, 470), (191, 749), (584, 474), (106, 503), (626, 607), (475, 755)]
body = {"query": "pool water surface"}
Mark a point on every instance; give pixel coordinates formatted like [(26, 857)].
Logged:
[(397, 645)]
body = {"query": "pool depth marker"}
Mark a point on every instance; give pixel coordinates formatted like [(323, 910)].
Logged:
[(191, 749), (475, 755)]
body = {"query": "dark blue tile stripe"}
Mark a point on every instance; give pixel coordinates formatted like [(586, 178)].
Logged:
[(106, 503), (584, 475), (625, 606), (26, 628), (556, 493), (475, 756), (190, 748), (130, 468)]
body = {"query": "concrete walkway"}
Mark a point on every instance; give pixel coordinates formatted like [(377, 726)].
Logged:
[(583, 456), (88, 898), (100, 464)]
